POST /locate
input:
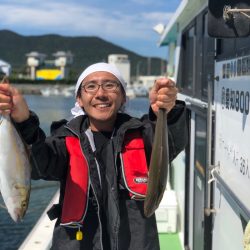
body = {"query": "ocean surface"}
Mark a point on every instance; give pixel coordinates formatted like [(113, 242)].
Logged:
[(49, 109)]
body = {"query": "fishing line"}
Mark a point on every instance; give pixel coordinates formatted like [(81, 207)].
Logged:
[(3, 207), (5, 79)]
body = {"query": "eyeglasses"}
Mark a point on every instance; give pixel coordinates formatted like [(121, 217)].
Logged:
[(93, 87)]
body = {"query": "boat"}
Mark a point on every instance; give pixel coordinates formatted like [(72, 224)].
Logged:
[(51, 90), (68, 91), (140, 91), (58, 90), (40, 237), (130, 93), (212, 176)]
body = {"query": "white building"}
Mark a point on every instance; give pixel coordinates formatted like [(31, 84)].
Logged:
[(5, 67), (34, 59), (122, 62), (63, 59), (55, 69), (146, 81)]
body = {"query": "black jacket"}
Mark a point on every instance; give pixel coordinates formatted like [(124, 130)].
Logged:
[(113, 221)]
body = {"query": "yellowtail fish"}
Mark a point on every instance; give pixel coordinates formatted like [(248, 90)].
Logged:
[(158, 168), (15, 170)]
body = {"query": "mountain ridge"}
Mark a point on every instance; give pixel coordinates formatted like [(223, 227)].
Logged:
[(85, 49)]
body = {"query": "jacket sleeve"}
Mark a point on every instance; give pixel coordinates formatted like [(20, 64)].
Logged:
[(177, 130), (49, 155)]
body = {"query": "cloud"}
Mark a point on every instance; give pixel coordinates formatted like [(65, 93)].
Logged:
[(157, 16), (124, 25), (77, 19), (45, 15), (151, 3)]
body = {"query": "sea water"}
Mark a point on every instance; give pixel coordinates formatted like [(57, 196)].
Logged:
[(48, 109)]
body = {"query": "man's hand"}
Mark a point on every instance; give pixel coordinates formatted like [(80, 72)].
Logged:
[(13, 103), (163, 95)]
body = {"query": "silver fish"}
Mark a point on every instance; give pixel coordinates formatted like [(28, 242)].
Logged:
[(15, 170), (158, 168)]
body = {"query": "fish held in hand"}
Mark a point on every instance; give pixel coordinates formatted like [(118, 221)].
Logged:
[(158, 168), (15, 170)]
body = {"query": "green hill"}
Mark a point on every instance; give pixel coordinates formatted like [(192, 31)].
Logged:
[(86, 50)]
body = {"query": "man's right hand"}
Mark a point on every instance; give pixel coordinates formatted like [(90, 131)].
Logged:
[(13, 103)]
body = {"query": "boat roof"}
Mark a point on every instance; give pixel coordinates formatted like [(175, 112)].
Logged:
[(185, 12)]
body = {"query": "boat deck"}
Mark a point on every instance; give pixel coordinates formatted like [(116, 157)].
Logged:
[(41, 235), (169, 241)]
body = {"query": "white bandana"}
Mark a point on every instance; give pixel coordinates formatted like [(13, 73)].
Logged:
[(111, 68)]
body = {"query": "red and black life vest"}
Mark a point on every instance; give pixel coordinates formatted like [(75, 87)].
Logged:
[(134, 172), (134, 165)]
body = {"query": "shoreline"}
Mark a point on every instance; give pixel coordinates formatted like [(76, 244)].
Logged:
[(31, 89)]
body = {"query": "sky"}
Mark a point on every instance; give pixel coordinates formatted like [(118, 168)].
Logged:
[(126, 23)]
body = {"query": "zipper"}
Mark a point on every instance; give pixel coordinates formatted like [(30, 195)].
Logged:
[(91, 141), (120, 136), (125, 127), (98, 214), (90, 184)]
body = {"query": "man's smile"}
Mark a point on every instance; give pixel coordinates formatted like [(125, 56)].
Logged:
[(102, 105)]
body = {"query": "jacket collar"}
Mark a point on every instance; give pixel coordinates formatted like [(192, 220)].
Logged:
[(78, 125), (123, 122)]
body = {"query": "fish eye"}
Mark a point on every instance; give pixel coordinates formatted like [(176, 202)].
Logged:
[(24, 204)]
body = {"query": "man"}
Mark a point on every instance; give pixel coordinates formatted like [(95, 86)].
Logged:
[(98, 157)]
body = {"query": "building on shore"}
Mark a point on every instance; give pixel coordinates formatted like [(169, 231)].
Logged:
[(55, 69), (62, 60), (34, 60), (121, 61), (5, 68)]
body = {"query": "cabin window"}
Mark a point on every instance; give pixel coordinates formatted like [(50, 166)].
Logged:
[(242, 46), (229, 48), (188, 44), (207, 59), (226, 49), (200, 144), (199, 181), (197, 58)]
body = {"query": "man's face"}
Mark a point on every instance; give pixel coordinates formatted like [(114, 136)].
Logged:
[(101, 106)]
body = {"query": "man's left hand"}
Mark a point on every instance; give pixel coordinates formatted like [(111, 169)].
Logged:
[(163, 94)]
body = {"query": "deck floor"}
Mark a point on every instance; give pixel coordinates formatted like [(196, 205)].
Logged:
[(169, 242)]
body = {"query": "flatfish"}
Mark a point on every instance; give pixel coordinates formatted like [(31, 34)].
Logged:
[(158, 168)]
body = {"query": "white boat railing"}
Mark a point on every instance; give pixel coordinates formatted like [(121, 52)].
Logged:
[(41, 235)]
